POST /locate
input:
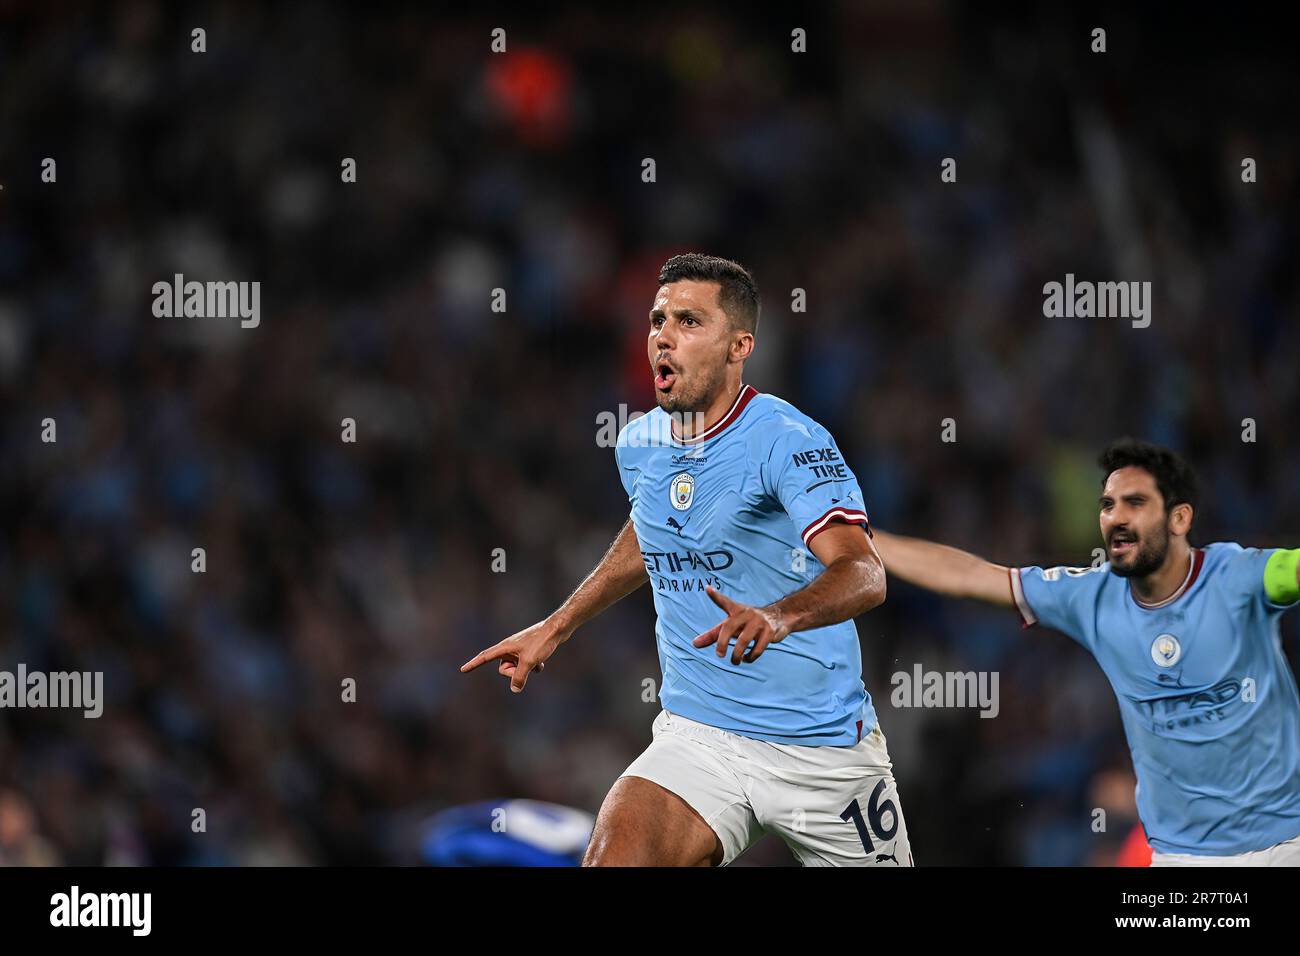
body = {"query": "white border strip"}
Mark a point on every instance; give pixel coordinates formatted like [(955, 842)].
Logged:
[(853, 517), (1018, 595)]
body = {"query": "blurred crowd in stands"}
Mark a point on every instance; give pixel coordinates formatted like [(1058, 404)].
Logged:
[(477, 430)]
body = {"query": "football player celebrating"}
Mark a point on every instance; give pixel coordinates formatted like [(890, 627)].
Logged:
[(1188, 638), (751, 530)]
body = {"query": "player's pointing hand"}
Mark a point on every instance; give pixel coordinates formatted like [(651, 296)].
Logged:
[(521, 653), (757, 626)]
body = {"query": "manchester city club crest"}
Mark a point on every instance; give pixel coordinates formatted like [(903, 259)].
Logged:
[(682, 491), (1165, 650)]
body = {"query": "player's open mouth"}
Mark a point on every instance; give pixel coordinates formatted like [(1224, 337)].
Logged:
[(1122, 545), (664, 376)]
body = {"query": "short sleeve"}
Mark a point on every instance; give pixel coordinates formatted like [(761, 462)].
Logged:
[(1249, 570), (1056, 597), (627, 472), (814, 484)]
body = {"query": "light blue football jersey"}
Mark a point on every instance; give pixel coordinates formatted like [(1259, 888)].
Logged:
[(735, 508), (1208, 701)]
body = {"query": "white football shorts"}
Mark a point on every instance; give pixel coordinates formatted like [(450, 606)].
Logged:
[(833, 806), (1281, 854)]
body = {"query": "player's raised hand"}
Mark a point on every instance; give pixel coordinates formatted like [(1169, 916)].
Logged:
[(759, 626), (521, 653)]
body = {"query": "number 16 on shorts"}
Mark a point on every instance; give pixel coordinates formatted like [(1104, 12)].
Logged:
[(877, 827)]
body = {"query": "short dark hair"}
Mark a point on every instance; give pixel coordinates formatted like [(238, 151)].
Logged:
[(1174, 477), (737, 293)]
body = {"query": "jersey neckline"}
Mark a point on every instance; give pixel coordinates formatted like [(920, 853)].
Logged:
[(1193, 572), (746, 395)]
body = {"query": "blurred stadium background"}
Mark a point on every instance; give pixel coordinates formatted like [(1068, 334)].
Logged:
[(478, 430)]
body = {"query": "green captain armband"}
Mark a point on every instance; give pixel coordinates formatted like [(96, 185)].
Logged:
[(1280, 582)]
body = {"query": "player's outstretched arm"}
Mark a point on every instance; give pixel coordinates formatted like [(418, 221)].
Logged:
[(620, 572), (937, 567), (853, 582)]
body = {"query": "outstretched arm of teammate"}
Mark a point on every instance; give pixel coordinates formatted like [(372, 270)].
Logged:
[(853, 582), (620, 572), (937, 567)]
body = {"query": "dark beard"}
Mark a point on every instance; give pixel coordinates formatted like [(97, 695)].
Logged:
[(683, 405), (1151, 555)]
